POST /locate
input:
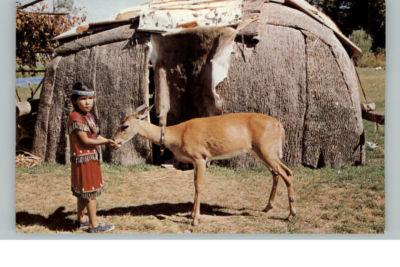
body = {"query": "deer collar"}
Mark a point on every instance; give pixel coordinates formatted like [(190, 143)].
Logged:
[(162, 139)]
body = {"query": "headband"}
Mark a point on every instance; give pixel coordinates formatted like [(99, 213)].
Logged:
[(82, 93)]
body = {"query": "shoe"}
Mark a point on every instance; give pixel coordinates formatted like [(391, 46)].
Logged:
[(82, 225), (101, 228)]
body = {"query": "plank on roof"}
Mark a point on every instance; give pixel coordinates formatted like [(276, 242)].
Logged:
[(162, 16)]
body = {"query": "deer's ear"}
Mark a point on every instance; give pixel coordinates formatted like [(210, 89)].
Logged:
[(140, 108), (126, 113), (142, 114)]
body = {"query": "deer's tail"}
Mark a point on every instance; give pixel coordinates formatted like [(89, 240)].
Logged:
[(282, 143), (286, 169)]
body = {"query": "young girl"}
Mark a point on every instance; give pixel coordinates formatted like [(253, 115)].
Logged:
[(86, 180)]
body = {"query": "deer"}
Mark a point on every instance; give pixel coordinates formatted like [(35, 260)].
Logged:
[(200, 140)]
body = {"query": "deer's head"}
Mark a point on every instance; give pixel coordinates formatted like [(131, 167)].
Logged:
[(130, 125)]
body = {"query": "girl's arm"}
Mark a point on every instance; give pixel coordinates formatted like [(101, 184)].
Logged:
[(84, 138), (111, 142), (99, 137)]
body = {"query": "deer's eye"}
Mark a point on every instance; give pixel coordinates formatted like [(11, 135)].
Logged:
[(124, 127)]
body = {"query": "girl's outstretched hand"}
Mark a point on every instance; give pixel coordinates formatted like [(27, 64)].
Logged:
[(113, 144)]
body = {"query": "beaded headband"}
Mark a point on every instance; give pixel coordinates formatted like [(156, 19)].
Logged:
[(82, 93)]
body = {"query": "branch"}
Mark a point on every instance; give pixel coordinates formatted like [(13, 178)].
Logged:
[(29, 70), (29, 4), (47, 13)]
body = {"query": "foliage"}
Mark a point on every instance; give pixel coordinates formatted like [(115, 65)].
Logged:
[(362, 39), (351, 15), (67, 6), (64, 5), (368, 58), (371, 60), (35, 33)]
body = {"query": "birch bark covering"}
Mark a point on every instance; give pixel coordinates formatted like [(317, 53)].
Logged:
[(46, 98), (287, 65), (118, 72), (274, 84), (300, 73)]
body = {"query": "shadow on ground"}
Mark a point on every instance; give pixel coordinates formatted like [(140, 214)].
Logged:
[(167, 209), (58, 221)]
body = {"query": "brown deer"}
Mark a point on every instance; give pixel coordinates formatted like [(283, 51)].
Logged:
[(200, 140)]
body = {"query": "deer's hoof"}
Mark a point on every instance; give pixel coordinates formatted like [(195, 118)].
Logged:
[(195, 222), (267, 208), (291, 216)]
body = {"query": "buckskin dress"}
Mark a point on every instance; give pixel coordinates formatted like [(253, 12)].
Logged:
[(86, 179)]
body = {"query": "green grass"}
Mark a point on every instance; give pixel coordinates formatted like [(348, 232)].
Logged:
[(26, 74), (110, 169), (24, 92), (373, 82), (43, 168), (114, 168)]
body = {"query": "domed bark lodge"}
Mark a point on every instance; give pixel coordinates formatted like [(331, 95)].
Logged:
[(282, 58)]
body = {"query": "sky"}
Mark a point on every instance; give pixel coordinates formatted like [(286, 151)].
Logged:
[(98, 10)]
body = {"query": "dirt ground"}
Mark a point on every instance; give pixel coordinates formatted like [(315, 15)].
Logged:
[(151, 199)]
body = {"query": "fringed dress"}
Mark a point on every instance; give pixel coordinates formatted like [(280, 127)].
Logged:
[(86, 180)]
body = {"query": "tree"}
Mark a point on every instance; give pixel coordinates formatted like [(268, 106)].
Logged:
[(353, 15), (362, 39), (64, 5), (35, 30), (68, 6)]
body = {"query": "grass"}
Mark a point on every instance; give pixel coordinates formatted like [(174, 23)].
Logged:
[(24, 92), (150, 199), (372, 60), (40, 67), (373, 82)]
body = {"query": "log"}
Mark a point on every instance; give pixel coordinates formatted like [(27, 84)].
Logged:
[(373, 117), (48, 13), (29, 70), (26, 159), (368, 107), (106, 37), (251, 9), (22, 108)]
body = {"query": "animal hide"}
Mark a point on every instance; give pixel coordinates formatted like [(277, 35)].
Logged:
[(189, 65)]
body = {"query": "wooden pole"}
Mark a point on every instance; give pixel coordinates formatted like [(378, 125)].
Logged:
[(48, 13), (29, 4), (29, 70), (37, 88), (23, 108)]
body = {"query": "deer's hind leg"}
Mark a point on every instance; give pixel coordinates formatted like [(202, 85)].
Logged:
[(277, 168), (286, 174), (271, 199)]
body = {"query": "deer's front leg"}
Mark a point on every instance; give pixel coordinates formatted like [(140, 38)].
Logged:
[(199, 171)]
